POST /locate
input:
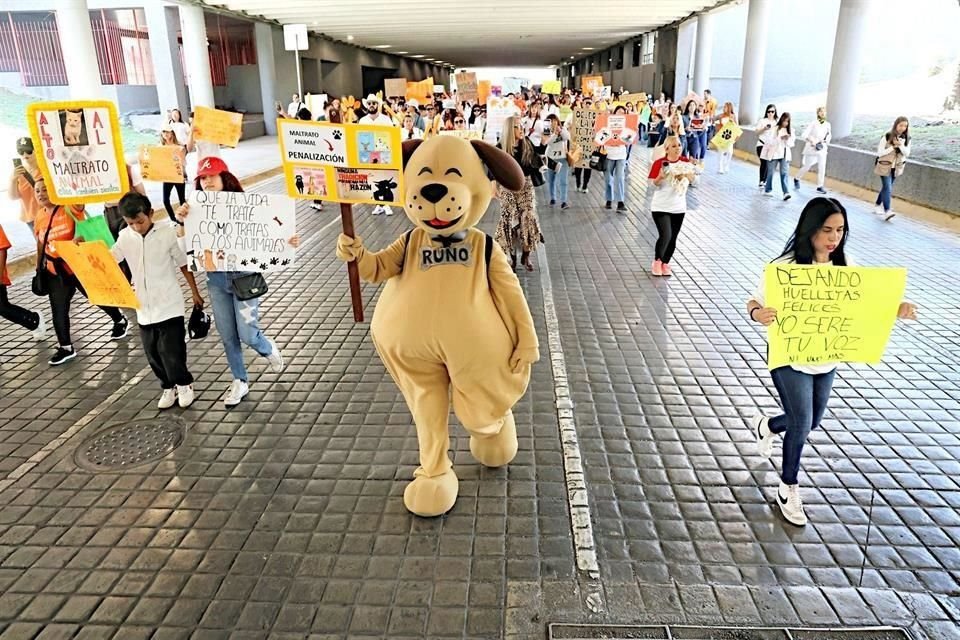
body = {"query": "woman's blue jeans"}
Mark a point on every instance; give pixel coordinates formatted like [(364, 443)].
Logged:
[(615, 180), (558, 181), (804, 398), (886, 189), (771, 165), (238, 321)]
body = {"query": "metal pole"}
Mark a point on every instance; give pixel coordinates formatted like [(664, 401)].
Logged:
[(299, 81)]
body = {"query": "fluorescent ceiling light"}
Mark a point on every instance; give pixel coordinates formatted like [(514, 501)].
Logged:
[(349, 38), (588, 48), (403, 52), (419, 55), (383, 46)]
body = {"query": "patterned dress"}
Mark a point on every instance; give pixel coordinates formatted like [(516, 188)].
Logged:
[(519, 224)]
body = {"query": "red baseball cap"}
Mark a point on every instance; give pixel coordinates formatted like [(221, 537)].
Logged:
[(211, 166)]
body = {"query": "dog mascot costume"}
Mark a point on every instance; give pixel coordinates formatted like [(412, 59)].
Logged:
[(452, 320)]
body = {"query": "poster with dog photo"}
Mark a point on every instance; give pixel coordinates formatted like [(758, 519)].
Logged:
[(79, 150)]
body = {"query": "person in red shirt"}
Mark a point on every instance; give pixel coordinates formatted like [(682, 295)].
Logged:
[(30, 320), (60, 223)]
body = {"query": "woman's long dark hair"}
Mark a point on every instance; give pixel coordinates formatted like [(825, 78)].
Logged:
[(770, 106), (785, 116), (812, 218), (230, 183), (892, 134), (686, 108)]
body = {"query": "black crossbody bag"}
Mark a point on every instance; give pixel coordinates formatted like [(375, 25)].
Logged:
[(39, 283), (250, 286)]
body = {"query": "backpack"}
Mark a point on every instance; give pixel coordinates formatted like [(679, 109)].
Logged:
[(487, 249)]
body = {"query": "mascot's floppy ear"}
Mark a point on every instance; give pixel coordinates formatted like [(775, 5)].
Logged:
[(502, 166), (409, 146)]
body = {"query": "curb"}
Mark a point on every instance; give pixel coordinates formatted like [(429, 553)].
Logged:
[(24, 264)]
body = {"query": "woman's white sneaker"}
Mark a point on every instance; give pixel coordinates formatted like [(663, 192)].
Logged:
[(237, 391), (791, 506), (185, 395), (167, 399), (761, 431), (275, 358), (40, 333)]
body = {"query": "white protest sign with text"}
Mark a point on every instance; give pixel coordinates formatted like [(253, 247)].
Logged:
[(240, 231)]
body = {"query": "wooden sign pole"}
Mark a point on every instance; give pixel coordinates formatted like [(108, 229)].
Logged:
[(346, 218)]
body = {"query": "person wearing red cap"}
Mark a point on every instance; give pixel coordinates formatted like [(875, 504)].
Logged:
[(238, 321)]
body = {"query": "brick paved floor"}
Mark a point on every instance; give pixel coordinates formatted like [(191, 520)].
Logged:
[(283, 517)]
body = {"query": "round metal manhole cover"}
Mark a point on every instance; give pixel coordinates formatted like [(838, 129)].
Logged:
[(129, 445)]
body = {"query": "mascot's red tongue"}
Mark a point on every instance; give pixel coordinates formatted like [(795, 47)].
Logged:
[(437, 222)]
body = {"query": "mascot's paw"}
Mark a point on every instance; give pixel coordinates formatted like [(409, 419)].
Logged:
[(522, 358), (499, 448), (431, 497), (349, 249)]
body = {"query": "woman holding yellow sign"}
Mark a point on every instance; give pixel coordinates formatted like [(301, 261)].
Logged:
[(819, 239)]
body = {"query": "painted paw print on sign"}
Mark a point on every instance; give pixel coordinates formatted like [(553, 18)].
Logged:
[(727, 134), (337, 134), (285, 262), (274, 262)]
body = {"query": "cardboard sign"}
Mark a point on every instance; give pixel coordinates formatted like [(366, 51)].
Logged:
[(240, 231), (421, 91), (395, 87), (466, 134), (467, 86), (78, 148), (483, 91), (831, 314), (99, 273), (342, 162), (727, 135), (162, 163), (616, 130), (551, 87), (497, 111), (591, 85), (438, 89), (214, 125), (583, 133), (316, 103)]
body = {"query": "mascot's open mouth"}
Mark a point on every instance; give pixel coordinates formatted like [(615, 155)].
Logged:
[(437, 223)]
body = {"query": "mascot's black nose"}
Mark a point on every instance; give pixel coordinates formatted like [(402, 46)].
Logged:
[(434, 192)]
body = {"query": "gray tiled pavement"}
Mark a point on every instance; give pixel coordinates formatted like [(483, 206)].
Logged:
[(283, 517)]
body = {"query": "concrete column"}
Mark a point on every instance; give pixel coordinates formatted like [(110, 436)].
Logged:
[(845, 69), (754, 60), (79, 53), (163, 24), (263, 33), (702, 53), (193, 30)]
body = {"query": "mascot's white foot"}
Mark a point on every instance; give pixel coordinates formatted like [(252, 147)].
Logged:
[(431, 497), (497, 449)]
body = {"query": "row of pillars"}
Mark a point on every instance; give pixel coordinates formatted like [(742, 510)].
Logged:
[(83, 74), (844, 70)]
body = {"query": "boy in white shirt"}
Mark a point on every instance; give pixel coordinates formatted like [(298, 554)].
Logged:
[(154, 255)]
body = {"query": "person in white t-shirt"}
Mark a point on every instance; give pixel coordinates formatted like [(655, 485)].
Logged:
[(671, 176), (816, 138), (375, 115), (819, 239), (295, 105), (180, 128)]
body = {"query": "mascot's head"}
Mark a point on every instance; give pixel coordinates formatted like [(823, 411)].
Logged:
[(446, 188)]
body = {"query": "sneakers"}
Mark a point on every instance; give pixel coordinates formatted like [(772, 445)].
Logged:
[(387, 210), (786, 197), (316, 205), (821, 190), (167, 399), (878, 210), (63, 354), (665, 269), (761, 185), (119, 330), (40, 333), (796, 184), (275, 358), (768, 194), (564, 206), (791, 506), (586, 190), (609, 205), (886, 216), (621, 208), (656, 268), (377, 210), (761, 430), (185, 395), (889, 215), (237, 392)]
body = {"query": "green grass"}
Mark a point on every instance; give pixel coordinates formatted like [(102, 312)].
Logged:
[(13, 110), (931, 141)]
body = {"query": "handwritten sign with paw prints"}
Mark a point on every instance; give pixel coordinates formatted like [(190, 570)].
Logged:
[(245, 231), (831, 314)]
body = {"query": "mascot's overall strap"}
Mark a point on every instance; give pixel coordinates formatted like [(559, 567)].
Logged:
[(487, 249)]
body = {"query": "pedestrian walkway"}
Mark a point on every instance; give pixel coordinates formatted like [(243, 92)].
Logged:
[(283, 517)]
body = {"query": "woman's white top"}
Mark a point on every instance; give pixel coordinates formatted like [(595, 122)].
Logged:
[(778, 146), (884, 149), (557, 144), (758, 297), (181, 130), (478, 125), (765, 136), (533, 129), (816, 132), (411, 134)]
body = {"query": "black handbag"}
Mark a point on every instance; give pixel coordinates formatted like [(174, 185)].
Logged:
[(39, 283), (598, 161), (250, 286), (536, 177)]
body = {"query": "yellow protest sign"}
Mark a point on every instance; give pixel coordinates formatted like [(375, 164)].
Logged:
[(99, 273), (591, 85), (831, 314), (162, 163), (214, 125), (78, 147), (727, 135), (421, 91), (352, 163), (551, 86)]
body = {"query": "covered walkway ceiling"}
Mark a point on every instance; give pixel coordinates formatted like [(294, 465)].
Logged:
[(475, 33)]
